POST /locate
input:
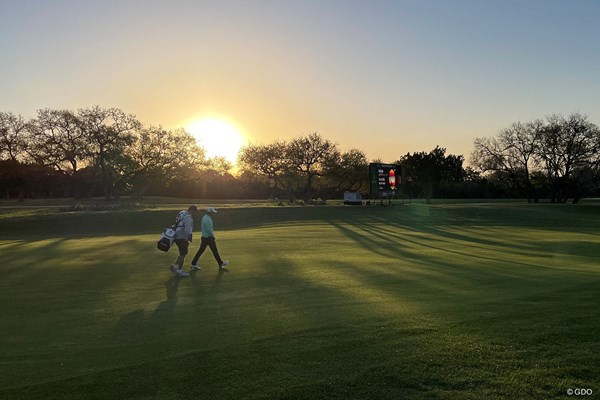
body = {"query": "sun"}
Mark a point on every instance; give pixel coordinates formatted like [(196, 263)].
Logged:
[(218, 136)]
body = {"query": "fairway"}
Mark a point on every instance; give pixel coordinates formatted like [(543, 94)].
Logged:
[(446, 301)]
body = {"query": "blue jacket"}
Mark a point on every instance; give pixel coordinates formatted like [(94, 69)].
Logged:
[(207, 226)]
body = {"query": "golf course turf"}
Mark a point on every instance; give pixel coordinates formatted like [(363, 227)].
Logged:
[(442, 301)]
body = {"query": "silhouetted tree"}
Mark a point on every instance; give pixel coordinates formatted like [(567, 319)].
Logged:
[(269, 161), (569, 152), (307, 156), (13, 132), (109, 132), (157, 156), (346, 171), (565, 149), (423, 173), (58, 140), (511, 155)]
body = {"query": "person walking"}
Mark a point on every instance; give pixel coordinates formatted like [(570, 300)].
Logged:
[(184, 225), (208, 240)]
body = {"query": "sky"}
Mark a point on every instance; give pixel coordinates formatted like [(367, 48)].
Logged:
[(386, 77)]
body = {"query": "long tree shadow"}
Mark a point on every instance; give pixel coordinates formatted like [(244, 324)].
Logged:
[(435, 239), (484, 297), (399, 317), (452, 273), (392, 244)]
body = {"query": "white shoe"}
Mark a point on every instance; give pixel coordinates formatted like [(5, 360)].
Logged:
[(196, 267), (182, 274), (225, 263)]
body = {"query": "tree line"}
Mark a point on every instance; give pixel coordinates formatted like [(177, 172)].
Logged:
[(556, 158), (98, 151), (106, 152)]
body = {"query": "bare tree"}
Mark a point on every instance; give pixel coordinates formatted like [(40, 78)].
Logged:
[(347, 171), (568, 151), (308, 156), (58, 140), (13, 131), (267, 160), (109, 132), (157, 156), (511, 155)]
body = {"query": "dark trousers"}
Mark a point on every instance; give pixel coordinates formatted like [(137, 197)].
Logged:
[(210, 242)]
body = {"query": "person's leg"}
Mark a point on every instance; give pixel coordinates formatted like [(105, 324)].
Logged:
[(177, 267), (213, 246), (182, 245), (203, 244)]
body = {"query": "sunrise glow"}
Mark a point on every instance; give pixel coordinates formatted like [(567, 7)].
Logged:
[(219, 137)]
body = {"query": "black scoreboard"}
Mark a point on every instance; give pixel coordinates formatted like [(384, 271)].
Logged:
[(384, 180)]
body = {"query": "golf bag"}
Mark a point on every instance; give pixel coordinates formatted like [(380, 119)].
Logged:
[(166, 240), (168, 236)]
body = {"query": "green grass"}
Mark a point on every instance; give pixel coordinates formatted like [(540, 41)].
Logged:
[(448, 301)]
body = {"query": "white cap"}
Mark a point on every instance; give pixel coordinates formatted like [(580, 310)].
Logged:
[(211, 210)]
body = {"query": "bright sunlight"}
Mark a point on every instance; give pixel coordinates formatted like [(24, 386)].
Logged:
[(219, 137)]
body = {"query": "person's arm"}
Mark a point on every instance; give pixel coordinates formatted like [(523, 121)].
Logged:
[(189, 226)]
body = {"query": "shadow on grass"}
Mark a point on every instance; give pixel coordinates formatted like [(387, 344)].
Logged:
[(202, 288), (352, 330), (160, 317), (541, 216), (141, 325), (429, 319), (392, 237), (504, 329)]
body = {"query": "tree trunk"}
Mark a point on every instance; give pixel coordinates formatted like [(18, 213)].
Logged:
[(308, 190)]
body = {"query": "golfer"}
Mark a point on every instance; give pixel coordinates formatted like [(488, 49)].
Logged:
[(208, 239), (183, 236)]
